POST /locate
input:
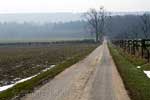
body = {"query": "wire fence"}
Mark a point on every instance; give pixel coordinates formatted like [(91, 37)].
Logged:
[(138, 47)]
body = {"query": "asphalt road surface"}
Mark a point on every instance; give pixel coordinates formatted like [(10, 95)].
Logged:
[(94, 78)]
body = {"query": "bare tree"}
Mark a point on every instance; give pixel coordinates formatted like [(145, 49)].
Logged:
[(102, 18), (96, 19), (145, 25)]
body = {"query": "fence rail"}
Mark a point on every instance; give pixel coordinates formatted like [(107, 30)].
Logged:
[(139, 47)]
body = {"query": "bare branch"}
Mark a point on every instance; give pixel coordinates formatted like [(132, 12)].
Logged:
[(96, 20)]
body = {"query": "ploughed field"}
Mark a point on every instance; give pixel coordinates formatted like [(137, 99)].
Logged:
[(18, 62)]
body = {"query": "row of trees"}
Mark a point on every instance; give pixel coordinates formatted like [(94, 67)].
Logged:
[(143, 25), (138, 27), (14, 30), (124, 27)]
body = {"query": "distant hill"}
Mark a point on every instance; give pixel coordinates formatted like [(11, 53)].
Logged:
[(50, 17), (40, 17), (56, 26), (12, 31)]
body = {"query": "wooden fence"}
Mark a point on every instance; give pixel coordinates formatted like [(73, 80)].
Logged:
[(139, 47)]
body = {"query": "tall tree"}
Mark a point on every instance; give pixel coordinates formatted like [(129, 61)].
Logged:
[(96, 19)]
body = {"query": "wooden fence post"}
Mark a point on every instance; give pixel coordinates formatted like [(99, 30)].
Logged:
[(142, 47), (135, 47)]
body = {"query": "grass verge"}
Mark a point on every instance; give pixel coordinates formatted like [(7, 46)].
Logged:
[(136, 82), (28, 86)]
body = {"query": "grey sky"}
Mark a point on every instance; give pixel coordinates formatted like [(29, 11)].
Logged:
[(28, 6)]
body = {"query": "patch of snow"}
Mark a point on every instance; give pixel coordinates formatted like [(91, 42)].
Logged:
[(52, 66), (147, 73), (6, 87), (48, 68), (11, 85), (17, 79), (19, 65), (45, 69), (23, 80), (138, 67), (38, 65)]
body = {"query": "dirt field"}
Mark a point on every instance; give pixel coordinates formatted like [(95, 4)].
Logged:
[(17, 62)]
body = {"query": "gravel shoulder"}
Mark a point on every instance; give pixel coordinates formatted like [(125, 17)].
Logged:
[(94, 78)]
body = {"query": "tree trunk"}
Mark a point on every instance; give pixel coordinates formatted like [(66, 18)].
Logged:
[(96, 36)]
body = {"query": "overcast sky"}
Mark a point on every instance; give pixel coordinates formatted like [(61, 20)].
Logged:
[(30, 6)]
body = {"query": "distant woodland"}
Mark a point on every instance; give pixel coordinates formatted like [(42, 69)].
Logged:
[(118, 26)]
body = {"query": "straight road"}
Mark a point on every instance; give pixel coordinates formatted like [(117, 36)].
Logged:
[(106, 83), (94, 78)]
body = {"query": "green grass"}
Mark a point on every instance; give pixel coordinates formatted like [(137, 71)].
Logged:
[(28, 86), (136, 82), (135, 60), (138, 61)]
